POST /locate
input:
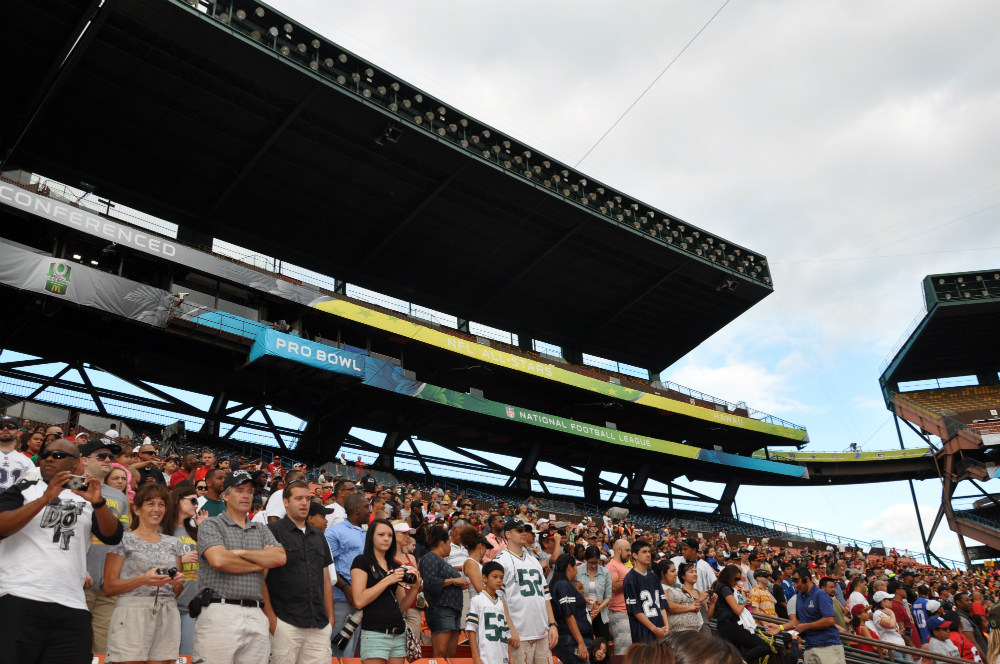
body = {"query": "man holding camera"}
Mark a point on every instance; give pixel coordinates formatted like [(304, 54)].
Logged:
[(46, 528), (232, 555), (298, 597), (347, 542)]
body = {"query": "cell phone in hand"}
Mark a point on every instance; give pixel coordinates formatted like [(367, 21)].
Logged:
[(76, 483)]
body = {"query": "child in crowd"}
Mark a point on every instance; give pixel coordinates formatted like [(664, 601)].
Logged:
[(490, 630)]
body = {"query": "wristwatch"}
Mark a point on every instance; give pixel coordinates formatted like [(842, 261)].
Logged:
[(97, 506), (552, 624)]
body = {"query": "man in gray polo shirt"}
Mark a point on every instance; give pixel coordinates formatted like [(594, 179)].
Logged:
[(233, 554)]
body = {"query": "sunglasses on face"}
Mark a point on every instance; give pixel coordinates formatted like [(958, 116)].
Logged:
[(8, 425), (201, 487), (57, 455), (193, 499)]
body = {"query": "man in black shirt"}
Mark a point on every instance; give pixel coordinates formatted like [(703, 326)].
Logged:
[(151, 472), (369, 482), (298, 597)]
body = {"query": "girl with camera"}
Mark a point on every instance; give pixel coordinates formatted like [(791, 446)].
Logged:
[(145, 625), (383, 630)]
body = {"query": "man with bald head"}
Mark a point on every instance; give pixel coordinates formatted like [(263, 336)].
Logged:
[(43, 561), (621, 632)]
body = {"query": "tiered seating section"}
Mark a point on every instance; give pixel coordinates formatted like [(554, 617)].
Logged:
[(976, 405)]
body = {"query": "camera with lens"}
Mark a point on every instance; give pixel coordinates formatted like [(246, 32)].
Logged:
[(347, 632), (167, 571), (409, 578)]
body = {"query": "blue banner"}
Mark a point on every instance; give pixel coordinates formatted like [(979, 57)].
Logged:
[(321, 356)]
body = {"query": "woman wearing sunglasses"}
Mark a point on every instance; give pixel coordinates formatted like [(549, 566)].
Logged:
[(201, 488), (182, 520)]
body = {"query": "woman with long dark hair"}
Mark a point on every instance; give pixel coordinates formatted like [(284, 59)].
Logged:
[(181, 520), (443, 586), (685, 602), (596, 582), (570, 610), (379, 576), (728, 614)]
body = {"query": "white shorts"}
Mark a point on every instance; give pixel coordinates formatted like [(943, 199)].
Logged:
[(144, 628)]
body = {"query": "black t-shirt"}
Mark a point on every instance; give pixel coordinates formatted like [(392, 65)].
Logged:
[(723, 611), (370, 484), (779, 596), (383, 613)]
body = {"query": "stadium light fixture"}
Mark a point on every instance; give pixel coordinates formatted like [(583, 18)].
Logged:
[(341, 80), (284, 50), (486, 133), (224, 18), (315, 43), (441, 110), (342, 58), (418, 98), (93, 262), (394, 86), (241, 15), (77, 256), (288, 28), (273, 31), (255, 35), (369, 72), (259, 12), (302, 48)]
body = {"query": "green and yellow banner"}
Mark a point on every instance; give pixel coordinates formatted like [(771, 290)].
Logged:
[(481, 353)]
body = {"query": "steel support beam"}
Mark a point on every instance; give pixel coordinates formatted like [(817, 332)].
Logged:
[(638, 484), (608, 318), (91, 391), (392, 442), (211, 425), (725, 507), (526, 468), (246, 416), (541, 257), (69, 57), (420, 458), (48, 383), (913, 494), (414, 214), (274, 429), (592, 477), (278, 131)]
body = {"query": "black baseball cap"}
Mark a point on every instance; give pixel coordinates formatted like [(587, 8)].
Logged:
[(236, 478), (482, 540), (11, 420), (316, 508), (512, 524), (690, 542), (92, 446)]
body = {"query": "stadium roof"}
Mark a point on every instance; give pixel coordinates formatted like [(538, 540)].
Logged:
[(255, 130), (956, 335)]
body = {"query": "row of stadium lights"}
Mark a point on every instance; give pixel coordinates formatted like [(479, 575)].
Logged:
[(968, 294), (503, 151)]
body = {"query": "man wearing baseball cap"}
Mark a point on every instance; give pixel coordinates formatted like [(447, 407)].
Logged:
[(940, 643), (814, 621), (232, 556), (298, 596)]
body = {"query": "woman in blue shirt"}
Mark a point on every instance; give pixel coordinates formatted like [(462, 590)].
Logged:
[(570, 610), (443, 586)]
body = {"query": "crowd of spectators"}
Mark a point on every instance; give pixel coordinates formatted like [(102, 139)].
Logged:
[(144, 557)]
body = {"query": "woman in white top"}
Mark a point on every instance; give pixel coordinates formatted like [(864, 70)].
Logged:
[(596, 582), (472, 568), (404, 557), (145, 625), (885, 620)]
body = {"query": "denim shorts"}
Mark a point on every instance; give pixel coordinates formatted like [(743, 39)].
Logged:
[(443, 619), (379, 645)]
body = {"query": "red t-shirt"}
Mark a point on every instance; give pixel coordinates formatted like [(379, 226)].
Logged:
[(178, 477), (977, 609), (199, 473), (275, 469), (902, 617), (965, 647)]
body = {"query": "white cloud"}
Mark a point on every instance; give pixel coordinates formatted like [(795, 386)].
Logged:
[(868, 402), (897, 526), (740, 380)]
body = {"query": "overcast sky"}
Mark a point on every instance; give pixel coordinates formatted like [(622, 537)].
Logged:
[(855, 144)]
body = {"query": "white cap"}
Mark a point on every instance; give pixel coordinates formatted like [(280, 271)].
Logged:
[(403, 527), (880, 596), (932, 606)]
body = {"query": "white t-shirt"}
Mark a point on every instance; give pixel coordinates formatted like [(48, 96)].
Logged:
[(275, 505), (46, 560), (526, 593), (706, 575), (147, 441), (336, 516), (111, 433), (486, 618), (856, 598), (14, 467), (887, 634)]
